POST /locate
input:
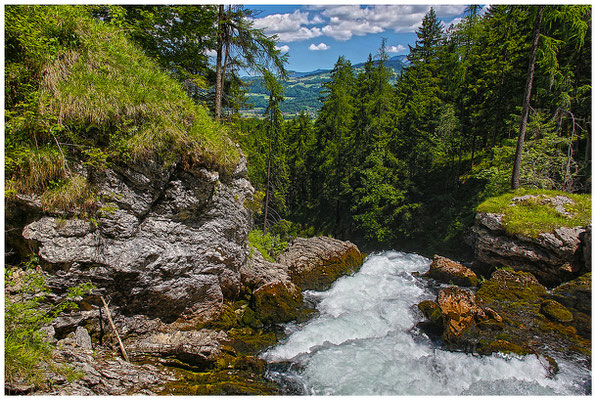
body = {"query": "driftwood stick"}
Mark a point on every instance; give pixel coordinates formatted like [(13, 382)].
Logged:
[(115, 330)]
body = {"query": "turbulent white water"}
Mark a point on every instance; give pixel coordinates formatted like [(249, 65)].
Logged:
[(365, 342)]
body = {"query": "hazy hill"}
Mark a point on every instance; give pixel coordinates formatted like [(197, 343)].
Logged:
[(302, 89)]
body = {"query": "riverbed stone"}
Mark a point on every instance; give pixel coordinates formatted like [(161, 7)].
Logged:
[(556, 311), (448, 271), (315, 263)]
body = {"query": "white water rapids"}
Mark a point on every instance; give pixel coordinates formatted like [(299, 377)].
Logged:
[(365, 342)]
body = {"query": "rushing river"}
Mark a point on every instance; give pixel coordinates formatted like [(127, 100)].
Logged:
[(365, 342)]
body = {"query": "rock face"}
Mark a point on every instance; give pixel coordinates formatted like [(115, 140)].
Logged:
[(315, 263), (448, 271), (169, 244), (551, 257), (103, 375)]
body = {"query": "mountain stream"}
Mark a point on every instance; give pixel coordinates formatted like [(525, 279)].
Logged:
[(364, 341)]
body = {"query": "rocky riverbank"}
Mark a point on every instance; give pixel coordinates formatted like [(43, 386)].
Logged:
[(509, 309), (190, 300)]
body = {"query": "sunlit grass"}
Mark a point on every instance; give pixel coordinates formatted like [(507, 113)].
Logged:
[(534, 216)]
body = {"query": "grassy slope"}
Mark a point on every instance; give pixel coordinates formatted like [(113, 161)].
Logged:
[(530, 218), (79, 82)]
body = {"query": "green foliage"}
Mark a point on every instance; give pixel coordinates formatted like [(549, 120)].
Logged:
[(269, 245), (536, 214), (25, 347), (78, 89)]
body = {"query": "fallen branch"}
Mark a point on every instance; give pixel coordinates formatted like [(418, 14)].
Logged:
[(114, 328)]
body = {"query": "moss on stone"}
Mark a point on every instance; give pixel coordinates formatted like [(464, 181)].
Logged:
[(536, 215), (431, 311), (502, 346), (276, 302), (325, 273), (556, 311)]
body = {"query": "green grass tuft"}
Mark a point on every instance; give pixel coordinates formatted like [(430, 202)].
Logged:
[(79, 90), (531, 218)]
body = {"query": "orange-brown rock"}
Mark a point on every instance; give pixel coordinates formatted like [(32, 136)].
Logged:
[(459, 311), (449, 271)]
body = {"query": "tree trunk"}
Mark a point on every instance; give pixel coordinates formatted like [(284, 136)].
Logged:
[(219, 78), (526, 104), (268, 177)]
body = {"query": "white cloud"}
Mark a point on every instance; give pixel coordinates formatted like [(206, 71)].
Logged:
[(341, 22), (320, 46), (284, 49), (211, 53), (349, 20), (396, 49), (289, 27)]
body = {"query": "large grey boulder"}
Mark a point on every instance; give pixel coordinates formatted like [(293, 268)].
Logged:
[(169, 243), (553, 257)]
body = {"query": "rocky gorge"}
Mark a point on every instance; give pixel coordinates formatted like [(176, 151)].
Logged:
[(193, 303), (171, 258)]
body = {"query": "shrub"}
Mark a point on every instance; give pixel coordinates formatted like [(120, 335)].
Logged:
[(269, 245), (25, 347)]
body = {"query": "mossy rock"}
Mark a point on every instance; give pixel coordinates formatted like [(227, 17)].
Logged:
[(250, 341), (576, 294), (502, 346), (556, 311), (326, 272), (276, 302), (431, 311)]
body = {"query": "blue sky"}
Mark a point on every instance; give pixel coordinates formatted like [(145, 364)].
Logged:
[(315, 36)]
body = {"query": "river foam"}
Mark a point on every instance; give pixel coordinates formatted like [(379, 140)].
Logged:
[(365, 342)]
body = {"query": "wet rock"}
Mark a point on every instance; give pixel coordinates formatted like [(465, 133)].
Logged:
[(556, 312), (575, 294), (459, 312), (277, 302), (274, 297), (448, 271), (315, 263), (431, 311), (522, 326)]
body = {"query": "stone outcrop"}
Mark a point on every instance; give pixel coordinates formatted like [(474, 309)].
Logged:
[(275, 298), (169, 244), (510, 313), (315, 263), (552, 257), (448, 271)]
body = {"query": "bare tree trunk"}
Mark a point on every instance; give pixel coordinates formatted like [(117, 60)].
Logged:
[(219, 78), (526, 105), (268, 180), (114, 329)]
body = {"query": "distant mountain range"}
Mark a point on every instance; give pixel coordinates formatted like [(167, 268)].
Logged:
[(302, 89)]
